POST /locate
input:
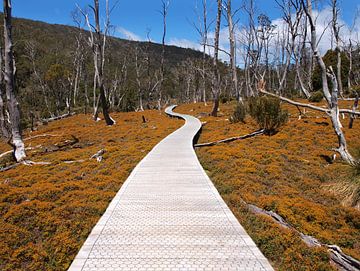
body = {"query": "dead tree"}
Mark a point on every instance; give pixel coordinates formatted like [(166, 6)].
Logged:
[(31, 54), (331, 97), (252, 50), (216, 75), (229, 15), (78, 58), (292, 15), (264, 34), (203, 29), (97, 42), (336, 31), (3, 122), (100, 59), (355, 106), (139, 75), (164, 13), (349, 52), (303, 57), (350, 56), (16, 140)]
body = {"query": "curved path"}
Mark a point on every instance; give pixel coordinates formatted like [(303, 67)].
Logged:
[(169, 216)]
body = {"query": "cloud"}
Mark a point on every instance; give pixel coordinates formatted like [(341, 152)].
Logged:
[(324, 30), (126, 34), (324, 35), (185, 43)]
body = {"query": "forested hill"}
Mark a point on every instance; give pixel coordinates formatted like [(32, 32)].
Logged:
[(55, 70), (62, 38)]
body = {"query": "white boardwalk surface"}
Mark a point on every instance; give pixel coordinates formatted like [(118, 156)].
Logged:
[(169, 216)]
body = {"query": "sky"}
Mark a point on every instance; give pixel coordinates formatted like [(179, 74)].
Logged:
[(132, 19)]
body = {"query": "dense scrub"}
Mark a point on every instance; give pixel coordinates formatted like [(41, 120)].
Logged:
[(285, 173), (268, 113), (48, 211)]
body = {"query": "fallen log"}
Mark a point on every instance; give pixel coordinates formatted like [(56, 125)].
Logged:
[(256, 133), (26, 163), (98, 155), (337, 256), (27, 149), (9, 167), (57, 117), (42, 135)]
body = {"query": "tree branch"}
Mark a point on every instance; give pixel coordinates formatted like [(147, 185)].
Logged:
[(314, 107), (256, 133)]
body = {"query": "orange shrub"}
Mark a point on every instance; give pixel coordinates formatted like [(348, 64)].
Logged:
[(285, 173), (47, 211)]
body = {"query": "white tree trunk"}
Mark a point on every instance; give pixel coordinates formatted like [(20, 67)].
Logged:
[(216, 75), (13, 105), (231, 27), (332, 99)]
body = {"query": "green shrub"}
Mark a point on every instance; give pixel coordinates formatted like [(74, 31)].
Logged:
[(239, 113), (268, 113), (224, 99), (316, 97)]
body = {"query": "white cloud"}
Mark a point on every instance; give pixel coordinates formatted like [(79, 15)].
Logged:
[(324, 29), (184, 43), (126, 34), (324, 35)]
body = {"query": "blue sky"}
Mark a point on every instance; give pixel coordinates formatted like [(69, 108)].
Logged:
[(134, 17)]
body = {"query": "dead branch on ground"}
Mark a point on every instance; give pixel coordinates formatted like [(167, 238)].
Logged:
[(57, 117), (337, 256), (227, 140)]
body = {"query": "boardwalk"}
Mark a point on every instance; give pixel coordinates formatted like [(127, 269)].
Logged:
[(169, 216)]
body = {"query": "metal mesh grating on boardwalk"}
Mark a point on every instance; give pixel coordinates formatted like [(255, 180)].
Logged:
[(169, 216)]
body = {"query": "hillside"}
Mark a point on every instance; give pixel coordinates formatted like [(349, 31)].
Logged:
[(55, 70), (61, 38)]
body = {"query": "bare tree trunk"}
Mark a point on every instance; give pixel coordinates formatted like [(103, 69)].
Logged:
[(138, 78), (355, 106), (164, 12), (95, 98), (99, 50), (205, 40), (332, 99), (292, 15), (4, 131), (3, 126), (350, 74), (301, 82), (87, 100), (335, 119), (231, 26), (336, 30), (97, 42), (31, 54), (309, 12), (13, 105), (216, 79)]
